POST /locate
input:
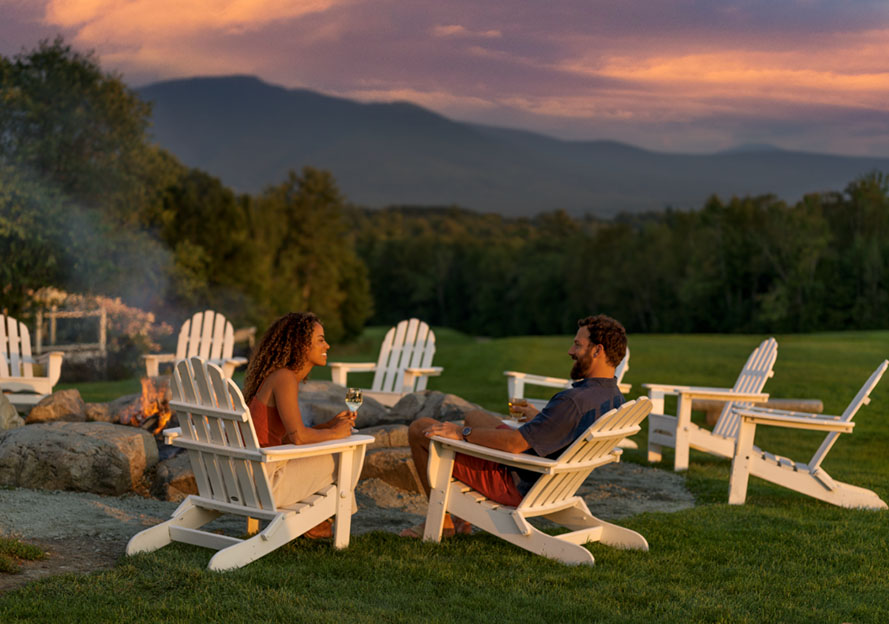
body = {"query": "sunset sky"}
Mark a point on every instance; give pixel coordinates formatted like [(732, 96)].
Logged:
[(671, 75)]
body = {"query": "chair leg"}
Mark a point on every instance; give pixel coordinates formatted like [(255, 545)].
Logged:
[(187, 515), (580, 520), (441, 464), (740, 475)]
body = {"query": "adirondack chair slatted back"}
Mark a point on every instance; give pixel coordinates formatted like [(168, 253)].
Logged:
[(598, 440), (753, 378), (212, 412), (15, 342), (623, 367), (208, 335), (862, 398), (410, 344)]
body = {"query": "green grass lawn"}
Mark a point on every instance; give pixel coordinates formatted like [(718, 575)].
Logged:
[(782, 557)]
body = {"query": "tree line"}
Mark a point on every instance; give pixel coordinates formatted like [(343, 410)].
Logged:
[(749, 264), (89, 204)]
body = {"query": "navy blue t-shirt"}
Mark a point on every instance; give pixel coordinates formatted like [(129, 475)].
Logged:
[(567, 415)]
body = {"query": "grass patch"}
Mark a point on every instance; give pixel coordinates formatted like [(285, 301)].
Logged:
[(12, 551), (782, 557)]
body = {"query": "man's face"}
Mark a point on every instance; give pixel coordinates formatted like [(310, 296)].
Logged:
[(582, 352)]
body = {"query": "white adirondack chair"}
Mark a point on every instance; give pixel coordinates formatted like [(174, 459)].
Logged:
[(208, 335), (810, 479), (552, 496), (216, 430), (680, 433), (17, 379), (404, 364), (516, 382)]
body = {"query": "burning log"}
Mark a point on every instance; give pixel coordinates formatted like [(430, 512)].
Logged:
[(152, 410)]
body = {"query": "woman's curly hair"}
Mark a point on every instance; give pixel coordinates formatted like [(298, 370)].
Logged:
[(284, 345)]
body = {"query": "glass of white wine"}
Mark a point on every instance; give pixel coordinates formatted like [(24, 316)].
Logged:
[(354, 399)]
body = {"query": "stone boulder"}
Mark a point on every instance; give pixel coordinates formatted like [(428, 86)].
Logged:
[(9, 416), (386, 436), (64, 405), (322, 400), (174, 479), (430, 404), (89, 457), (394, 466)]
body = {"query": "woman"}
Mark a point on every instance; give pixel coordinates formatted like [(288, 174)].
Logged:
[(288, 351)]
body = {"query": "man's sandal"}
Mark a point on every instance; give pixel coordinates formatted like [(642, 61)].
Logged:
[(321, 531)]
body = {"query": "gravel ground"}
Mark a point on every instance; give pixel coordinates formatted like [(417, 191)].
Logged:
[(87, 532)]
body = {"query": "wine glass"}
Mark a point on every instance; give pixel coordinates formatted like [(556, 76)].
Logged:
[(517, 414), (354, 398)]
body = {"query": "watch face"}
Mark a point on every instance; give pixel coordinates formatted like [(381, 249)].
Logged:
[(466, 431)]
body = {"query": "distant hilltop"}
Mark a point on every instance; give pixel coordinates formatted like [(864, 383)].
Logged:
[(250, 133)]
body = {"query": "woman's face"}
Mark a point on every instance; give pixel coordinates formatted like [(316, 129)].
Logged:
[(317, 355)]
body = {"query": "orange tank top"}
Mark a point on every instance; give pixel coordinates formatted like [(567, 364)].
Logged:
[(268, 424)]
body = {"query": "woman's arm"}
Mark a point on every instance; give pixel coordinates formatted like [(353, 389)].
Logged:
[(285, 387)]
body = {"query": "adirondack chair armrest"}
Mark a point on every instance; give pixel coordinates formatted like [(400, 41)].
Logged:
[(517, 460), (229, 365), (410, 374), (523, 460), (702, 392), (794, 420), (722, 394), (153, 361), (538, 380), (290, 451), (339, 370), (293, 451), (53, 363)]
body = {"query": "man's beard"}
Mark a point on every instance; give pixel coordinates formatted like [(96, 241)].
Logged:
[(581, 366)]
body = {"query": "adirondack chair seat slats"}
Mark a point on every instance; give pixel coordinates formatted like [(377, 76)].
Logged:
[(680, 433), (552, 496), (218, 435), (807, 478), (404, 364)]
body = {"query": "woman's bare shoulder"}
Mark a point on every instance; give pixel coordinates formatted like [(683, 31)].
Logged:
[(281, 380)]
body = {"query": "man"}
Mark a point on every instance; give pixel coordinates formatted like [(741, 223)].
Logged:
[(599, 346)]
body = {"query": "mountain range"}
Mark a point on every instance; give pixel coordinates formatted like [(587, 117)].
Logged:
[(250, 133)]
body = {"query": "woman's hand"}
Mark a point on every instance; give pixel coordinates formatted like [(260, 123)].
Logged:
[(342, 424)]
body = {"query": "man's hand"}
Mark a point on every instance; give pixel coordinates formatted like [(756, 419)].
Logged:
[(446, 430), (523, 413)]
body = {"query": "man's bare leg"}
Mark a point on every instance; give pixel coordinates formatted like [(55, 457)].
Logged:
[(419, 443)]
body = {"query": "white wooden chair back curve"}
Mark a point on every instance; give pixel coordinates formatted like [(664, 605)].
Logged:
[(598, 441), (216, 423), (15, 343), (753, 377), (862, 398), (410, 344), (17, 366), (208, 335)]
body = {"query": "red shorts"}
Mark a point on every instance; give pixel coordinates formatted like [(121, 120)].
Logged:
[(490, 478)]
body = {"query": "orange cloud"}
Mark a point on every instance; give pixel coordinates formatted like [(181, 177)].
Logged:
[(100, 20)]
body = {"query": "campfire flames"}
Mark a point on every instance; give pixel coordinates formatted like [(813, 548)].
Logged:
[(152, 411)]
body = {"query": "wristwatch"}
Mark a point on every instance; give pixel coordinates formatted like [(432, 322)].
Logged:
[(466, 432)]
